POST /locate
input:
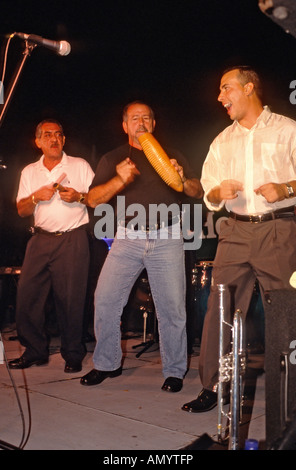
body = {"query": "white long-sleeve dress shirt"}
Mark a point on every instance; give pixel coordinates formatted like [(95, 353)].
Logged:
[(266, 153)]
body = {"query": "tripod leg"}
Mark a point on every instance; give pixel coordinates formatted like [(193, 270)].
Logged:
[(147, 346)]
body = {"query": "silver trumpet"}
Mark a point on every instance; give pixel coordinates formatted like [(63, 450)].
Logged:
[(231, 370)]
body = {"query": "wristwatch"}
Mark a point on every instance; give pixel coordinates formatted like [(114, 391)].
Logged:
[(291, 192), (81, 198)]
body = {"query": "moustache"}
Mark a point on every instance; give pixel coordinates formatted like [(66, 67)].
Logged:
[(142, 129)]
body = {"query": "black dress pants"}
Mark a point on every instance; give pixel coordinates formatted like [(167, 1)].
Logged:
[(59, 263)]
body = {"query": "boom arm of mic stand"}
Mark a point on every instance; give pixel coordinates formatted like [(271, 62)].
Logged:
[(26, 54)]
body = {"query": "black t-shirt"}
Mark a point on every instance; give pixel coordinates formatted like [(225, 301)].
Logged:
[(147, 188)]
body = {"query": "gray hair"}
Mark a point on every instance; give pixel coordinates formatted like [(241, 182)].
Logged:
[(125, 109), (38, 130)]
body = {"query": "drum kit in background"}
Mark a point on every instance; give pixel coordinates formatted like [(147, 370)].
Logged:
[(141, 301), (139, 314), (199, 276)]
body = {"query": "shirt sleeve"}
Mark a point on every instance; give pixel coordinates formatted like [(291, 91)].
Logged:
[(24, 189), (89, 176), (210, 177), (104, 172)]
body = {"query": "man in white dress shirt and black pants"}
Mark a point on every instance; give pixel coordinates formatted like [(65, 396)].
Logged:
[(251, 169), (57, 255)]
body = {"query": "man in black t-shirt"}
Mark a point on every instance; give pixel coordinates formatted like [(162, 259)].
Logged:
[(126, 181)]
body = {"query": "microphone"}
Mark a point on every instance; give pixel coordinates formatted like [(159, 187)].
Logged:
[(61, 47)]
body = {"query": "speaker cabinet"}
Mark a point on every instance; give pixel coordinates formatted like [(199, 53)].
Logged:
[(280, 364)]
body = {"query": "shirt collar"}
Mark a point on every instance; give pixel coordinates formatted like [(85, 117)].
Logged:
[(62, 163), (261, 121), (264, 117)]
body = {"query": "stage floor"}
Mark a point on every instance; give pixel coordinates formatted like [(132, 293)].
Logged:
[(126, 413)]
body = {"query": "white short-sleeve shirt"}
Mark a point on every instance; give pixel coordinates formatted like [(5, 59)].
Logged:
[(57, 215)]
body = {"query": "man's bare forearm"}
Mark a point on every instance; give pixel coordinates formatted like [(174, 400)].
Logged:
[(104, 192)]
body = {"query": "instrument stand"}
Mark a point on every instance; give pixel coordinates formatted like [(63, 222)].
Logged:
[(147, 344)]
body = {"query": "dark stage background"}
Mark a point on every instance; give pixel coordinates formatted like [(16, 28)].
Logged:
[(170, 53)]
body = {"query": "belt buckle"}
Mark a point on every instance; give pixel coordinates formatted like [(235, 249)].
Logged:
[(260, 216), (256, 219)]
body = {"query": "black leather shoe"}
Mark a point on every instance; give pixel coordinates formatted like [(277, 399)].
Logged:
[(73, 367), (23, 363), (172, 384), (206, 401), (95, 377)]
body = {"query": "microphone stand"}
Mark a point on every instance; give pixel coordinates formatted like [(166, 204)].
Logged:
[(26, 54), (29, 47)]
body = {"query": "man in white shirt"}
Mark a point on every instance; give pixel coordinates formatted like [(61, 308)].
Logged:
[(251, 169), (57, 255)]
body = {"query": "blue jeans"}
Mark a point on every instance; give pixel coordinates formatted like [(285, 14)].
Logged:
[(161, 254)]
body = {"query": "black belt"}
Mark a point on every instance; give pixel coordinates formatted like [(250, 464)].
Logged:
[(277, 214), (150, 228), (54, 234)]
